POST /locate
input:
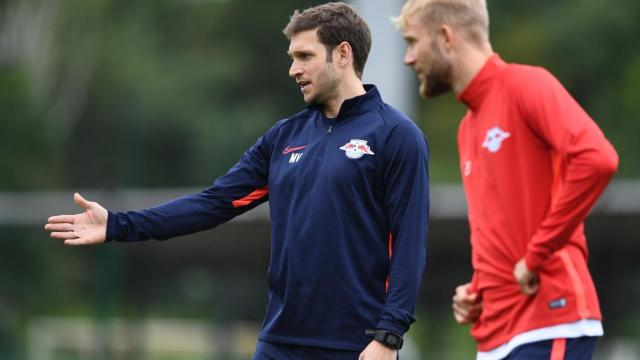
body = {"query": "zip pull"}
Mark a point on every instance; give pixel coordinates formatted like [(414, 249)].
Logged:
[(330, 127)]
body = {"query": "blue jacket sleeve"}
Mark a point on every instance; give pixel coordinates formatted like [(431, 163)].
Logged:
[(407, 204), (242, 188)]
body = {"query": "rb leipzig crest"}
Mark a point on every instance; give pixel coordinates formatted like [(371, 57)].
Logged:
[(356, 148)]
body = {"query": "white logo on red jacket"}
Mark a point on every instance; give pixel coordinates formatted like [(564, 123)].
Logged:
[(356, 148), (494, 139), (467, 168)]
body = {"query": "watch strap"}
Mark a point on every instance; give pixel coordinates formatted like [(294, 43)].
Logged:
[(387, 338)]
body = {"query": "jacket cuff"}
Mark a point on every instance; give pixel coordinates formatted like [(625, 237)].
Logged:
[(392, 327), (112, 227), (534, 261)]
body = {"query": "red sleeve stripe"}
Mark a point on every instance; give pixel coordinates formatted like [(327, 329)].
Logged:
[(255, 195), (386, 285)]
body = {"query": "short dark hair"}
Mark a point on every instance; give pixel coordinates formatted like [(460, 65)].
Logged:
[(336, 22)]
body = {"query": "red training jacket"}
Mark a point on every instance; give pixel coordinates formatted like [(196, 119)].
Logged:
[(533, 164)]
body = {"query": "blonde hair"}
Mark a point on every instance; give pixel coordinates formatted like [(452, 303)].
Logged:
[(470, 17)]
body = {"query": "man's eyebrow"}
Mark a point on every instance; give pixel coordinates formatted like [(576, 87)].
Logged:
[(299, 52), (409, 37)]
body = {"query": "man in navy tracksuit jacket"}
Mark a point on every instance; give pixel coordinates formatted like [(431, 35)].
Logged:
[(348, 193)]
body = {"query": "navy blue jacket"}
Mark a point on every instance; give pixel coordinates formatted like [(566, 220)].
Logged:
[(349, 204)]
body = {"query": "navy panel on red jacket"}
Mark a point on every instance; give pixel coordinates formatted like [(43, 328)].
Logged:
[(349, 204)]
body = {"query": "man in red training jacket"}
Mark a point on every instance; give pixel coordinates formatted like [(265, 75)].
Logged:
[(533, 164)]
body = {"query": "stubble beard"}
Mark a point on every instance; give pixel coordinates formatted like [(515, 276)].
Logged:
[(326, 87), (438, 80)]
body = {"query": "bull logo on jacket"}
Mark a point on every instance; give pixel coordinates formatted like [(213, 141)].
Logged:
[(356, 148), (494, 139)]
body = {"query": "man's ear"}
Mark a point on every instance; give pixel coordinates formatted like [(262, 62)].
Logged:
[(343, 54), (446, 38)]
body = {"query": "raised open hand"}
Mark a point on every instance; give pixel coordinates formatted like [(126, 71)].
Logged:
[(87, 228)]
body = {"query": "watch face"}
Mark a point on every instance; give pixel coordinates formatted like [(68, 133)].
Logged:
[(393, 340)]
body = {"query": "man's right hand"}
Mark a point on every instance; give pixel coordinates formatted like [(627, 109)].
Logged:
[(466, 305), (87, 228)]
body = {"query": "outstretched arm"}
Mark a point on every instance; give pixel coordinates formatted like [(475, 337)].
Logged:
[(87, 228), (239, 190)]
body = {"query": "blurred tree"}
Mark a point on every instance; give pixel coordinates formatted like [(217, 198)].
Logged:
[(141, 93)]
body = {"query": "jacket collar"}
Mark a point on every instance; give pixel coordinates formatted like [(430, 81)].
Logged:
[(355, 105), (475, 92)]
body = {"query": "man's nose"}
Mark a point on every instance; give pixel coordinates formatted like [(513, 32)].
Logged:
[(409, 58), (295, 70)]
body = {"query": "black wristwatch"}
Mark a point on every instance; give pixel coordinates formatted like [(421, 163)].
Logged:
[(387, 338)]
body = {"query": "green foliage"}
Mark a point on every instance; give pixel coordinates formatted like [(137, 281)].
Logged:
[(167, 93), (142, 93), (23, 139), (439, 119), (439, 336)]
